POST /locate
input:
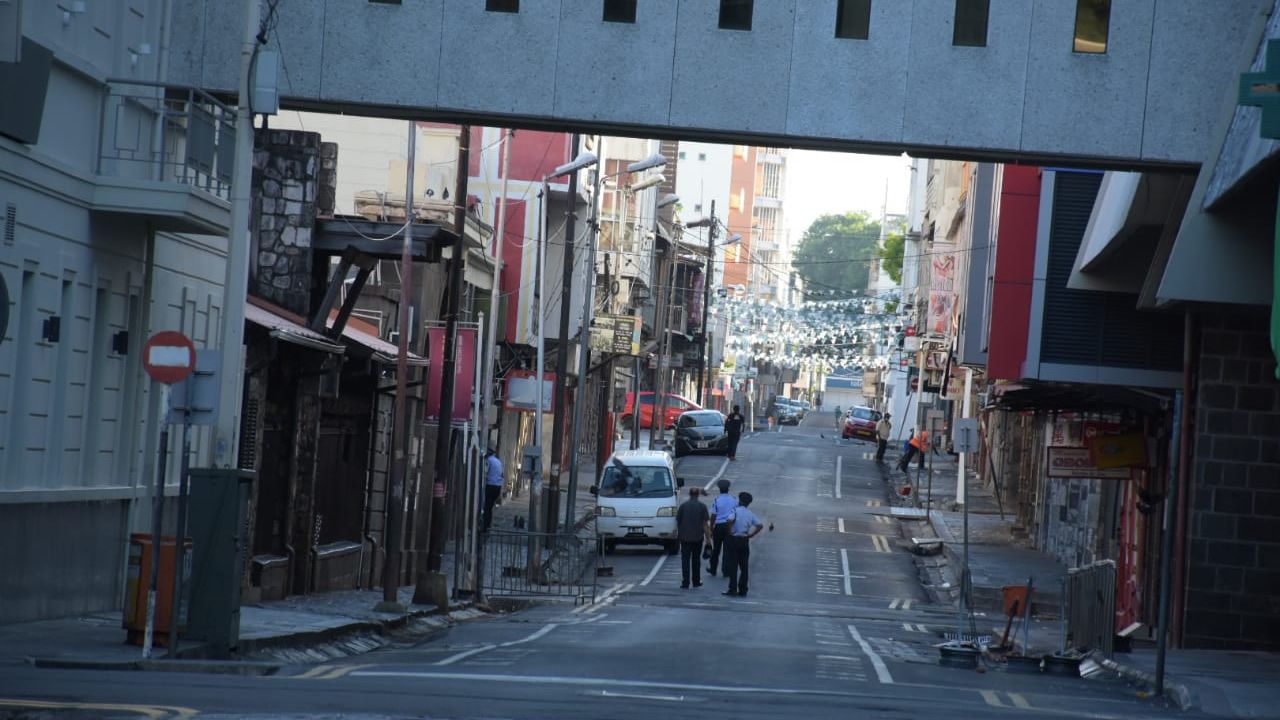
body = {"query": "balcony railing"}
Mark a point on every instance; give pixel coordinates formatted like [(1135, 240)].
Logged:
[(165, 133)]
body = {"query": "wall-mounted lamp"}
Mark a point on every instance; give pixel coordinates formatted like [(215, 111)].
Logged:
[(76, 7), (51, 331)]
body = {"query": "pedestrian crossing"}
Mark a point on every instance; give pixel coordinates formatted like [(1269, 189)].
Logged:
[(901, 604), (837, 657)]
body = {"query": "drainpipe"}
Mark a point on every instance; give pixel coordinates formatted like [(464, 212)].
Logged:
[(1186, 431)]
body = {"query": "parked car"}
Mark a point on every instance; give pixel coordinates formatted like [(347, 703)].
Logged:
[(636, 500), (676, 404), (860, 422), (701, 431), (786, 413)]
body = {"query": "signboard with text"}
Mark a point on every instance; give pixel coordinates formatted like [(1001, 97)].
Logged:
[(1075, 462), (615, 334)]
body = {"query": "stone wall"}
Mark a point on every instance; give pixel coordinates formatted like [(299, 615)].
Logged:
[(286, 164), (1233, 581)]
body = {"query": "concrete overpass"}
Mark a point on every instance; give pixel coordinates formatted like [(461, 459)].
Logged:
[(1150, 100)]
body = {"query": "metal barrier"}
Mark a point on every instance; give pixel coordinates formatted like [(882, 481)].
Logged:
[(516, 563), (1091, 607)]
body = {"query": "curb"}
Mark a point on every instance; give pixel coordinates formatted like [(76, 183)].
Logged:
[(1175, 692), (302, 642)]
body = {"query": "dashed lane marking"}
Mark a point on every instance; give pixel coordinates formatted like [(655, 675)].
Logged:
[(839, 464), (881, 543), (901, 604), (844, 565), (993, 699), (883, 519), (873, 503), (914, 627), (328, 672)]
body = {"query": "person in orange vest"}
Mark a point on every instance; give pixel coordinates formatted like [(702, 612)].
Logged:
[(917, 445)]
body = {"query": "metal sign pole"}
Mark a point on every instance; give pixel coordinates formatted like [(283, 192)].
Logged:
[(179, 549), (157, 519)]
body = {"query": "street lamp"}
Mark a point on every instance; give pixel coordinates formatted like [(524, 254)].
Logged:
[(581, 162), (653, 161), (668, 200)]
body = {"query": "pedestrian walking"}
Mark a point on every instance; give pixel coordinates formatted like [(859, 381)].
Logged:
[(883, 429), (492, 484), (733, 426), (722, 517), (693, 525), (738, 557)]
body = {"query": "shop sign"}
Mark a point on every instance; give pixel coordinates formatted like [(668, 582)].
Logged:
[(1075, 462)]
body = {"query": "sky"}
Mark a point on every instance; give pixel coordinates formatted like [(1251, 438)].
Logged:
[(821, 182)]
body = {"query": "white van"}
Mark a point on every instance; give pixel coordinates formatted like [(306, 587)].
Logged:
[(636, 500)]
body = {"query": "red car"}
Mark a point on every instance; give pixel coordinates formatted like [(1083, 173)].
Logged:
[(860, 422), (676, 404)]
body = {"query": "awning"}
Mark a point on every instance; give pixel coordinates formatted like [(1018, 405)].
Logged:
[(383, 351), (1071, 397), (282, 328)]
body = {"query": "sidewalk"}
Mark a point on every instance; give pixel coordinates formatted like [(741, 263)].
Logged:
[(1222, 683), (301, 629)]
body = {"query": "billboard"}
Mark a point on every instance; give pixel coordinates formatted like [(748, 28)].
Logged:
[(1075, 462), (615, 334), (522, 391)]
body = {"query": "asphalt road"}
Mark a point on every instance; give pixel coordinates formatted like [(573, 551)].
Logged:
[(835, 625)]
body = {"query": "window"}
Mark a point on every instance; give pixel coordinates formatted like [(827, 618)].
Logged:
[(636, 481), (1093, 18), (696, 208), (620, 11), (971, 23), (681, 155), (506, 6), (853, 19), (702, 156), (735, 14)]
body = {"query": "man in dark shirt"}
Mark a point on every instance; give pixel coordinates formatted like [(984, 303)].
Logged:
[(693, 525), (733, 426)]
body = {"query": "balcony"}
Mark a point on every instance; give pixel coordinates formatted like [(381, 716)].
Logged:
[(166, 153)]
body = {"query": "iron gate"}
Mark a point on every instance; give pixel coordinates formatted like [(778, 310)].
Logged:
[(517, 563)]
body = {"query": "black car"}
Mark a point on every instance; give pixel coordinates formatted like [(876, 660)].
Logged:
[(701, 431)]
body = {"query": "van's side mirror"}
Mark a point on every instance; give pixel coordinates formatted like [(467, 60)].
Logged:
[(679, 482), (594, 490)]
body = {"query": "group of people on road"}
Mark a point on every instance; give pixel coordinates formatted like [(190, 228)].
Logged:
[(721, 535)]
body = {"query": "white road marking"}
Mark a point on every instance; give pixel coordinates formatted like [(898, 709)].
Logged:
[(1019, 701), (894, 605), (840, 524), (873, 503), (906, 604), (723, 466), (992, 698), (604, 596), (881, 543), (639, 696), (844, 565), (916, 627), (882, 672), (838, 467), (597, 682), (534, 636), (464, 655), (656, 567)]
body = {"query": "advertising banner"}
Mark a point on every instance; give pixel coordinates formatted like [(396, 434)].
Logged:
[(464, 374), (522, 391)]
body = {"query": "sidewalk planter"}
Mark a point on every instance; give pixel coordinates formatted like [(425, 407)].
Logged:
[(959, 656), (1024, 665), (1063, 665)]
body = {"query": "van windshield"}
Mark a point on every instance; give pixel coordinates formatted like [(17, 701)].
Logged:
[(636, 482)]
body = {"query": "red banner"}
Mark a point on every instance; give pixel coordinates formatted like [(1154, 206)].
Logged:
[(463, 378)]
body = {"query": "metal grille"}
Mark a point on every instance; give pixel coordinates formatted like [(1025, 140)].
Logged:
[(515, 563), (10, 221), (1091, 607), (249, 433), (1083, 327)]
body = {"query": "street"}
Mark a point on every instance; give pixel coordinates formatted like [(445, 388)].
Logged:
[(835, 625)]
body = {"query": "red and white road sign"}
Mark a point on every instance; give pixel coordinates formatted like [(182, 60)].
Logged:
[(169, 357)]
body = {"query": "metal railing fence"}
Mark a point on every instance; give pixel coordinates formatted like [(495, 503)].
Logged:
[(518, 563), (150, 131), (1091, 607)]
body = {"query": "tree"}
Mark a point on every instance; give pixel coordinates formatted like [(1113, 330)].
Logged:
[(834, 254), (891, 256)]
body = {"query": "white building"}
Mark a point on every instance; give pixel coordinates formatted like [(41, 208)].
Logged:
[(114, 228)]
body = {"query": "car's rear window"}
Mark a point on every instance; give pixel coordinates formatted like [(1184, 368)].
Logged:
[(706, 419), (863, 414)]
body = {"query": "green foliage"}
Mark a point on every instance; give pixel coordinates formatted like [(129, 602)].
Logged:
[(835, 253), (891, 256)]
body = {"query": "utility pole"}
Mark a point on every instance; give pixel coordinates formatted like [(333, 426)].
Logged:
[(236, 280), (562, 348), (400, 435), (432, 586), (604, 438), (703, 359), (491, 342)]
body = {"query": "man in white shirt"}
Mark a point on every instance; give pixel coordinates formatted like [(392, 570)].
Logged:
[(883, 430), (721, 518), (738, 546)]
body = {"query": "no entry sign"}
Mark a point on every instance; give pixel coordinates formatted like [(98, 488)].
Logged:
[(169, 357)]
